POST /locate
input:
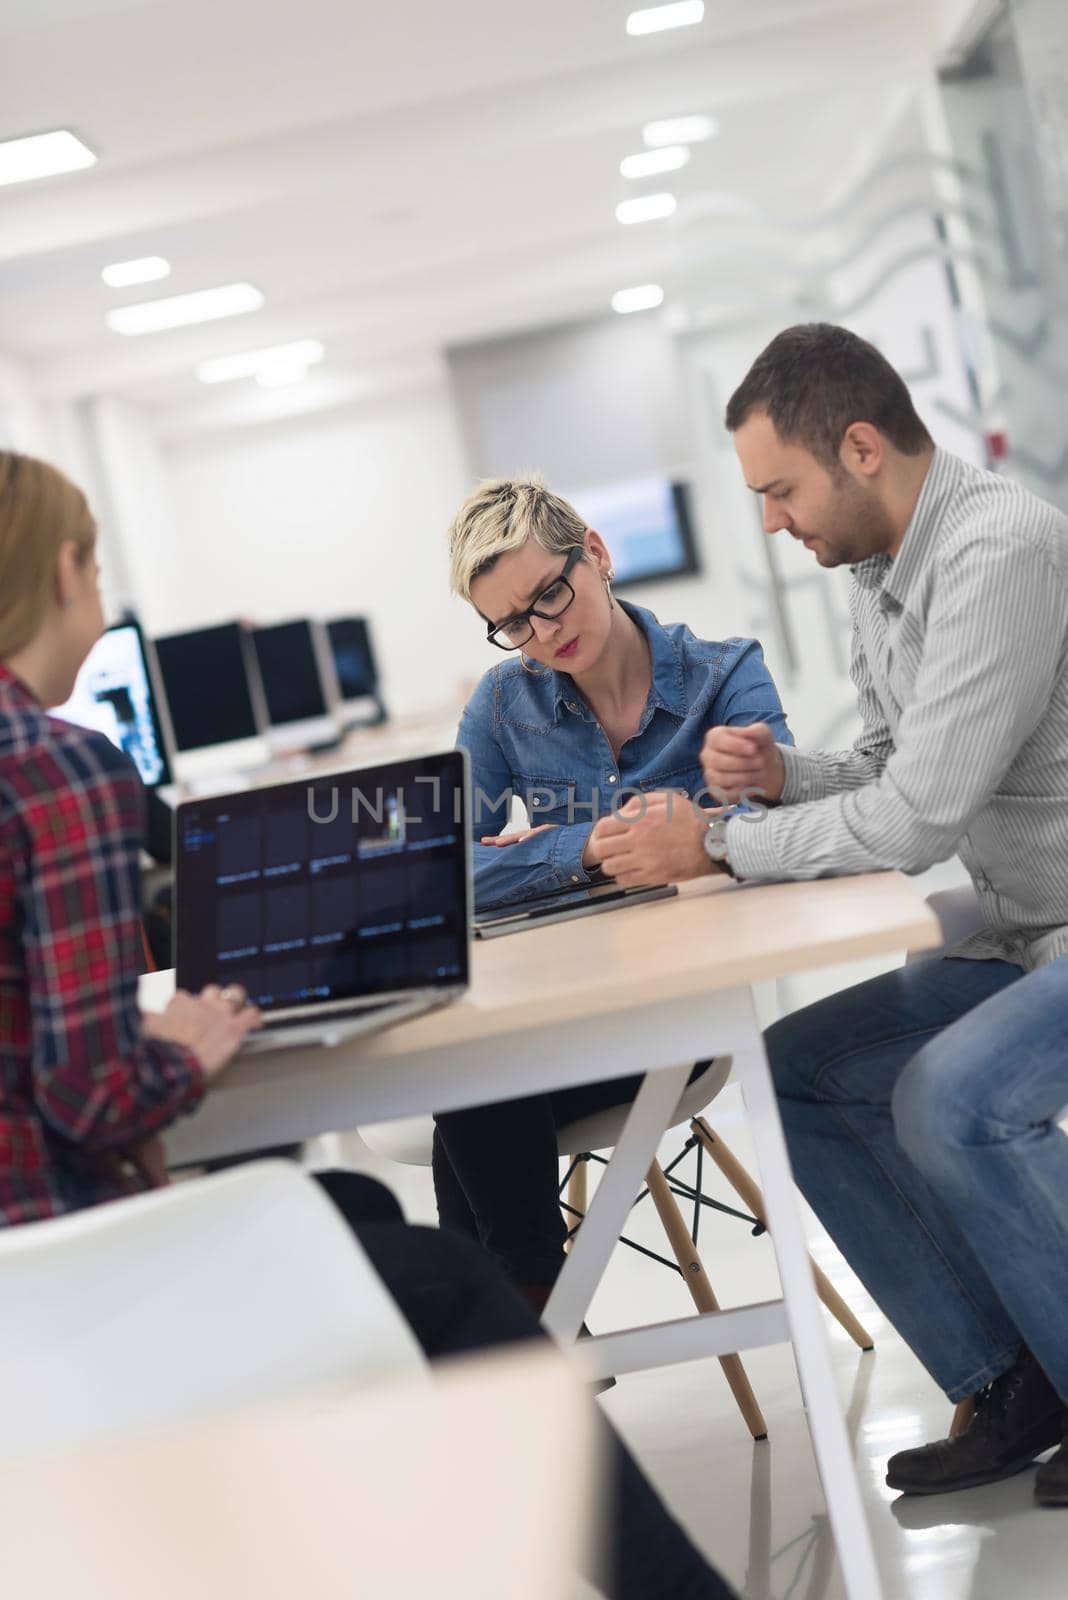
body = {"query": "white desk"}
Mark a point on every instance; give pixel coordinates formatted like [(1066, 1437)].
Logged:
[(651, 989)]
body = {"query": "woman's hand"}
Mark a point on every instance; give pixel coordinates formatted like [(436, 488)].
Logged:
[(211, 1024), (501, 841)]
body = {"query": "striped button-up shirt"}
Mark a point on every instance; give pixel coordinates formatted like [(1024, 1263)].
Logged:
[(960, 661)]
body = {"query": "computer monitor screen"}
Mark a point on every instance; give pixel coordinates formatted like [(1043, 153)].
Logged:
[(289, 670), (356, 883), (113, 694), (354, 658), (205, 678), (646, 525)]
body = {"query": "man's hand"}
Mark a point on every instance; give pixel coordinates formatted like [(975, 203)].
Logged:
[(738, 762), (657, 838), (212, 1024)]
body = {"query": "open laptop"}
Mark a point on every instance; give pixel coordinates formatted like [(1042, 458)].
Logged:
[(340, 903)]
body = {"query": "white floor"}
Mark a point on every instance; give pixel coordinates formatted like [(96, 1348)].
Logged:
[(757, 1509)]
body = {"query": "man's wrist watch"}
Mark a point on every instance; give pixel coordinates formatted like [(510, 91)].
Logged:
[(714, 840)]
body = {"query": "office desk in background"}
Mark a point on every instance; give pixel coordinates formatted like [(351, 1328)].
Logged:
[(647, 990)]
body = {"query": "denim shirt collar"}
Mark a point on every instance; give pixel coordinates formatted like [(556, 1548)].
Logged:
[(668, 690)]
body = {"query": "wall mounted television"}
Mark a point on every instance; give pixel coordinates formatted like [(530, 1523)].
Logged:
[(646, 524)]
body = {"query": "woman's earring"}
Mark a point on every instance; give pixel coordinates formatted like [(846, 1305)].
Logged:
[(608, 582)]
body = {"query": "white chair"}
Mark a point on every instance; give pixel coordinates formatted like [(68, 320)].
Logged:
[(410, 1142), (960, 913), (212, 1295)]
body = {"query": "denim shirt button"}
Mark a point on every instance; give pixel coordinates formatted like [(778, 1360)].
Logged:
[(571, 706), (537, 800), (611, 777)]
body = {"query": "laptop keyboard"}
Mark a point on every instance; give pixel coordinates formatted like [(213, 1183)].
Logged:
[(314, 1018)]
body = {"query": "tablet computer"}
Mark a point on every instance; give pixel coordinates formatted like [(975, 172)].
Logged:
[(563, 905)]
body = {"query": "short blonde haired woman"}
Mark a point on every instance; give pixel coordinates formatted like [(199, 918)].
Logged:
[(591, 698)]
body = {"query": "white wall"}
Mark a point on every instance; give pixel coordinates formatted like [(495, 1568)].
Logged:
[(21, 421), (342, 512)]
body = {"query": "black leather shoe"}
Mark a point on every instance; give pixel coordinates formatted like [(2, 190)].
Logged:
[(1051, 1479), (1016, 1417)]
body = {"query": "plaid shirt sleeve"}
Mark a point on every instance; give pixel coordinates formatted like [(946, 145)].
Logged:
[(97, 1081)]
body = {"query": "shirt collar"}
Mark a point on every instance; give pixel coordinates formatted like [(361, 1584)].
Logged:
[(13, 690), (895, 577), (668, 690), (943, 476)]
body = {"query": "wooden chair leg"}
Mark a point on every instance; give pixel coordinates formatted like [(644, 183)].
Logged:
[(962, 1416), (749, 1193), (577, 1196), (692, 1269)]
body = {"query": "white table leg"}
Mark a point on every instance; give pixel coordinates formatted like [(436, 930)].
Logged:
[(830, 1440), (620, 1184)]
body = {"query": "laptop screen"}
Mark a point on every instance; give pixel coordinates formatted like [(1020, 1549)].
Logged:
[(205, 677), (113, 694), (351, 884)]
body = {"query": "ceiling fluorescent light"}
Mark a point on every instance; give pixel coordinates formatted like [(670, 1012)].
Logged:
[(180, 310), (649, 208), (680, 130), (281, 374), (146, 269), (43, 155), (649, 162), (683, 14), (250, 363), (644, 297)]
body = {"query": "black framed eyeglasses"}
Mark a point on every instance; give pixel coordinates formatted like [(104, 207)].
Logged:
[(549, 604)]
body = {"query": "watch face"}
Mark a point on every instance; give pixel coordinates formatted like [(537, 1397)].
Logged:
[(714, 841)]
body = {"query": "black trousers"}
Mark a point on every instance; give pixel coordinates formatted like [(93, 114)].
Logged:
[(497, 1174), (455, 1299)]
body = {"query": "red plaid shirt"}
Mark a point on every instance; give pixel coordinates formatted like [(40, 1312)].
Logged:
[(79, 1083)]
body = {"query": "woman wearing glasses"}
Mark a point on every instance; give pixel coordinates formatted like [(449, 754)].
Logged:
[(592, 701)]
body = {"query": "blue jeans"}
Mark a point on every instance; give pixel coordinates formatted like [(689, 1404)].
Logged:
[(976, 1112), (837, 1067)]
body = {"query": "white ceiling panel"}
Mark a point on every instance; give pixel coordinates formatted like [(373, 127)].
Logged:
[(400, 176)]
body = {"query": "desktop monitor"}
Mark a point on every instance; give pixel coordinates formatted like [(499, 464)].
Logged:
[(299, 683), (114, 694), (646, 525), (215, 701), (357, 672)]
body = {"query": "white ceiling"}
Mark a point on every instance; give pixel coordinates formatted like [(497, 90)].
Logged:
[(399, 176)]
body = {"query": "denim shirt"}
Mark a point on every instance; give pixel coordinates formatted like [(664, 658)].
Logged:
[(531, 733)]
